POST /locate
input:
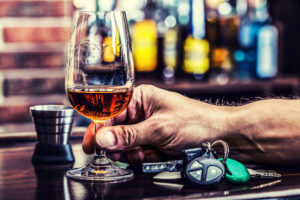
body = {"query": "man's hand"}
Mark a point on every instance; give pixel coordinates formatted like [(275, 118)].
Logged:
[(157, 121)]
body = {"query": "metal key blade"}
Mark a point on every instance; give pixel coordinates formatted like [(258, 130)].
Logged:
[(171, 166), (263, 173), (170, 176)]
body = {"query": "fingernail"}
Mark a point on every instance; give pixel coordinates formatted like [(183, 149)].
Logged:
[(106, 139)]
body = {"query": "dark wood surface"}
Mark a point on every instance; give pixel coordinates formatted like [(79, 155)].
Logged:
[(19, 179)]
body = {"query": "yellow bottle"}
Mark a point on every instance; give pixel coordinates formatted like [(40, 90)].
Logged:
[(196, 56), (196, 47), (144, 45)]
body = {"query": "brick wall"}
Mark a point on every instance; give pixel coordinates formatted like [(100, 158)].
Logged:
[(33, 37)]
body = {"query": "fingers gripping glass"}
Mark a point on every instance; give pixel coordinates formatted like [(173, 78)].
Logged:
[(100, 80)]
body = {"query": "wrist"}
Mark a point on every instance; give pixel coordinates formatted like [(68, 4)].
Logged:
[(227, 118), (231, 122), (217, 119), (240, 132)]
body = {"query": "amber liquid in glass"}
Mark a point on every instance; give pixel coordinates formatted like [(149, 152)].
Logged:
[(99, 105)]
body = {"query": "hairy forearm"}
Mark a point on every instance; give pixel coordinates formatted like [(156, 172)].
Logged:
[(265, 132)]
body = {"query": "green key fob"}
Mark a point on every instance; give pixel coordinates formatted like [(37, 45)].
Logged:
[(236, 172)]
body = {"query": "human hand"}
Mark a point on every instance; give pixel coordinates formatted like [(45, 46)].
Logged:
[(156, 121)]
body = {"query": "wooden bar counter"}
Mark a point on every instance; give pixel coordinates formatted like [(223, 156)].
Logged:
[(20, 179)]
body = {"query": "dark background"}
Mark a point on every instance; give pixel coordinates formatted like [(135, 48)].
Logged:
[(286, 14)]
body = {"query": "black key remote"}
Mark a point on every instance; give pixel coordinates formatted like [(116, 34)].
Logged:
[(204, 170)]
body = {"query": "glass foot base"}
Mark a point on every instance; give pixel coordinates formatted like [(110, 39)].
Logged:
[(101, 173)]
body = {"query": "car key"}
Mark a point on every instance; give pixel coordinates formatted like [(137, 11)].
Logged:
[(175, 165), (168, 176), (261, 173), (199, 166), (170, 166), (205, 170)]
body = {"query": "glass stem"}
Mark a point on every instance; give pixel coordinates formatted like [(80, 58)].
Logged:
[(100, 158)]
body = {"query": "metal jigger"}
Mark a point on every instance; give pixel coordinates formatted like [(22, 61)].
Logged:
[(53, 125)]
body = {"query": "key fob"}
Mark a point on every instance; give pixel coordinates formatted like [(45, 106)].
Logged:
[(205, 170), (198, 167), (236, 172)]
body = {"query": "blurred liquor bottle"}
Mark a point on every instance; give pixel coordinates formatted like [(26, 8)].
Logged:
[(109, 39), (222, 33), (145, 44), (183, 15), (257, 57), (170, 41), (97, 29), (170, 55), (196, 46)]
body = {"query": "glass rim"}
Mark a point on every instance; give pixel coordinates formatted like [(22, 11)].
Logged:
[(100, 12)]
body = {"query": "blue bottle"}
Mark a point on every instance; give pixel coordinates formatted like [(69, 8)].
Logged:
[(257, 57)]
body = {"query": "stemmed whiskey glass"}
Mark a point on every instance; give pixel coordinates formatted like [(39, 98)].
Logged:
[(100, 80)]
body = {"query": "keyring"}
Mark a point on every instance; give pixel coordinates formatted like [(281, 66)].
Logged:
[(207, 145), (225, 146)]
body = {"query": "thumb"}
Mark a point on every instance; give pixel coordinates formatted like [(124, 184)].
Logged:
[(116, 138)]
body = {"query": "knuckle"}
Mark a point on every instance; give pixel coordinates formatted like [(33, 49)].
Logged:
[(128, 135), (163, 130), (160, 122), (147, 87)]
